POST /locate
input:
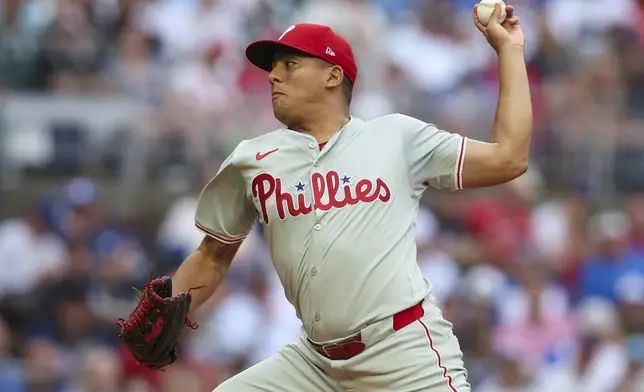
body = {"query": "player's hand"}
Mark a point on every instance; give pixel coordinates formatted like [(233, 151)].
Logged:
[(500, 35)]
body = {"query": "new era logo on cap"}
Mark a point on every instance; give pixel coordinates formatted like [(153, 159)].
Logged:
[(313, 39)]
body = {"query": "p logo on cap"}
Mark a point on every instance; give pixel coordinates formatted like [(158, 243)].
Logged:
[(286, 32)]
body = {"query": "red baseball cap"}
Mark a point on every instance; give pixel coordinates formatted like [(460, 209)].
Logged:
[(314, 39)]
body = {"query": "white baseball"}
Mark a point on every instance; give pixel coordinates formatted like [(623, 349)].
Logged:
[(485, 9)]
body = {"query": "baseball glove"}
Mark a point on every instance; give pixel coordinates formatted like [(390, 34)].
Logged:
[(152, 330)]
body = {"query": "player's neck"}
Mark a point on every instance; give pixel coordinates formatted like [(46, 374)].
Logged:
[(323, 127)]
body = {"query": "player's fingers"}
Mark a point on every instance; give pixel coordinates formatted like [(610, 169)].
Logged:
[(509, 10), (477, 22), (514, 21), (494, 18), (511, 23)]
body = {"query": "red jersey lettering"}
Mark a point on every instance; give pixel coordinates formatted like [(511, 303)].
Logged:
[(329, 191)]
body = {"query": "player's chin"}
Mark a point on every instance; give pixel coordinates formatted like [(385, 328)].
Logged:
[(281, 113)]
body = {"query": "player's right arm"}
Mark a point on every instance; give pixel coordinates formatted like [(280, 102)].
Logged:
[(226, 215), (505, 156), (445, 160)]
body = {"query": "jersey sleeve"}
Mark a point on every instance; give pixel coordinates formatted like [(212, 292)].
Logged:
[(434, 157), (224, 210)]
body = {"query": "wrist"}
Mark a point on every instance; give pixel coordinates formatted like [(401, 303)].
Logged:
[(510, 48)]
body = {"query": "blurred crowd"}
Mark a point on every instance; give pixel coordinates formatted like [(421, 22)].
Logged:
[(543, 278)]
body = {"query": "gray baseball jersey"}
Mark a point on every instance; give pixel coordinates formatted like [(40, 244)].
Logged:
[(340, 222)]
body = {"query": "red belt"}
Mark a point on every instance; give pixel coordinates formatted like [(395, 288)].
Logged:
[(353, 345)]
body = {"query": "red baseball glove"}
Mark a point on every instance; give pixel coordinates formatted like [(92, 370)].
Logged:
[(154, 327)]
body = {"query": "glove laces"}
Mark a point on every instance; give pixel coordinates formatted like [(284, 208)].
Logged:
[(144, 306)]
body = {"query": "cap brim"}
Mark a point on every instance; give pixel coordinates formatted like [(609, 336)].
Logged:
[(262, 53)]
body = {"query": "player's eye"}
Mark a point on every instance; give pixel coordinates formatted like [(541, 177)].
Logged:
[(290, 63)]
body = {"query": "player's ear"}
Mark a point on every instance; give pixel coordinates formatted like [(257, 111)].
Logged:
[(334, 76)]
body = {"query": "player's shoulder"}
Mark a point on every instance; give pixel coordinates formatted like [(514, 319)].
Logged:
[(397, 122), (247, 149)]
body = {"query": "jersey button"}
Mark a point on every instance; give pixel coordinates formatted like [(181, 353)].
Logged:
[(317, 317), (317, 227), (314, 271), (312, 145), (316, 163)]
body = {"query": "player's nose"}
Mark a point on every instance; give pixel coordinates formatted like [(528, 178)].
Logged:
[(273, 76)]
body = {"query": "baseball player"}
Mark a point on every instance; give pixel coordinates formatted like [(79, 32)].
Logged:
[(338, 199)]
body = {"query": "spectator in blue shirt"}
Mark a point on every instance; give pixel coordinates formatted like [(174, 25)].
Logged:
[(11, 374), (613, 257)]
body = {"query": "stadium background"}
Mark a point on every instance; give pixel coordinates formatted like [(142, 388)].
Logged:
[(113, 114)]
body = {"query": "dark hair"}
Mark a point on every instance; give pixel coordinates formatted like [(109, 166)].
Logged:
[(347, 89)]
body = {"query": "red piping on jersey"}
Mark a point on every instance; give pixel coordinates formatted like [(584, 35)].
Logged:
[(446, 376), (227, 241), (322, 145), (459, 167)]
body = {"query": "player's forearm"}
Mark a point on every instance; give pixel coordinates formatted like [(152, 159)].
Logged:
[(512, 129), (206, 267)]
